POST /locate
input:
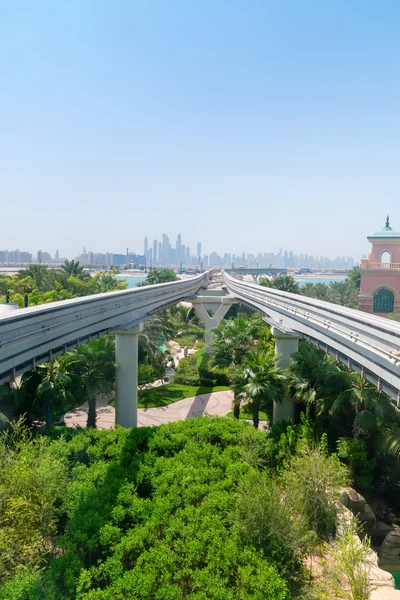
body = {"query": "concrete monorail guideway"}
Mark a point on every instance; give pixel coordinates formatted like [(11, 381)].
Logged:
[(364, 342)]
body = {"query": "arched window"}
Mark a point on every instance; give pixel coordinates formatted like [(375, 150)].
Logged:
[(384, 301), (386, 257)]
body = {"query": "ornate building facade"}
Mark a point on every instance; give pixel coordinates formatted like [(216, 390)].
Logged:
[(380, 273)]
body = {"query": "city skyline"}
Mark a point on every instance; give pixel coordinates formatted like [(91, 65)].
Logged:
[(168, 252)]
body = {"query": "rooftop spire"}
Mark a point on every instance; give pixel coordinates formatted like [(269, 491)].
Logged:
[(387, 221)]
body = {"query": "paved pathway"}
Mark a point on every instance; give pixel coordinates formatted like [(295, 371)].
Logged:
[(216, 403)]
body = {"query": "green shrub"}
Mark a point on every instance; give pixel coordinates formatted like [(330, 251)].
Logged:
[(187, 372), (312, 484), (268, 524), (362, 469), (208, 376)]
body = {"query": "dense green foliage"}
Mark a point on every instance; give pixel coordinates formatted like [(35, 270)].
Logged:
[(286, 283), (196, 370), (199, 509), (155, 276), (43, 285), (67, 381), (343, 292)]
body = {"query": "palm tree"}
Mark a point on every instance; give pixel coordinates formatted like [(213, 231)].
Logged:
[(238, 378), (52, 389), (286, 283), (369, 407), (38, 273), (314, 378), (344, 293), (320, 291), (265, 382), (94, 364), (72, 268), (233, 339)]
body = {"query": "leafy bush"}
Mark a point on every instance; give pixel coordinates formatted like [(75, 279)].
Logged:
[(267, 523), (32, 482), (187, 372), (354, 452), (208, 376), (312, 484)]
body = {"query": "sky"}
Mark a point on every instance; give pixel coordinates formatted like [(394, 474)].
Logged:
[(248, 125)]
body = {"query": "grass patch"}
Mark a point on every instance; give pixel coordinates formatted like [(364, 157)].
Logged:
[(248, 416), (173, 392)]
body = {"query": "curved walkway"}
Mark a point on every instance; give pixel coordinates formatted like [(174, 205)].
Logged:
[(215, 403)]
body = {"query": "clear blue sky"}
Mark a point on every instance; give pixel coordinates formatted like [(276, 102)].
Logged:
[(249, 125)]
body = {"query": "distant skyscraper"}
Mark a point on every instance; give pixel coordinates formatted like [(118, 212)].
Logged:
[(160, 253), (183, 254), (165, 248), (155, 252), (187, 255), (57, 255), (198, 250), (178, 248), (145, 246)]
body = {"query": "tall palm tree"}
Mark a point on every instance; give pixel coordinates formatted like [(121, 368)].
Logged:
[(72, 268), (52, 389), (238, 378), (265, 382), (94, 364)]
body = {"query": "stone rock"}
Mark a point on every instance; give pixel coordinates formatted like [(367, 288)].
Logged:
[(354, 501), (367, 518), (385, 593), (389, 552), (380, 578)]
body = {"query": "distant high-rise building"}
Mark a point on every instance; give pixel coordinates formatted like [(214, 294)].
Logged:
[(155, 252), (145, 245), (57, 255), (187, 255), (39, 256), (183, 254), (198, 250), (178, 248), (165, 248), (160, 254)]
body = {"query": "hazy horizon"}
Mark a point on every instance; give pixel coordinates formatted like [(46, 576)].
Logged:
[(247, 126)]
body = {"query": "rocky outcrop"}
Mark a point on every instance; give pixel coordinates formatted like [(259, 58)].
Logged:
[(389, 552), (353, 500), (359, 507), (381, 582)]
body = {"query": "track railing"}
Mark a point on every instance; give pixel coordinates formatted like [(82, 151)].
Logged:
[(367, 343), (32, 335)]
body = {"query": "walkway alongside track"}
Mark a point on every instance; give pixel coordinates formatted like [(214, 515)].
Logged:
[(216, 403)]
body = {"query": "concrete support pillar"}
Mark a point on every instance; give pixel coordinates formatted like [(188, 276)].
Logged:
[(201, 304), (285, 345), (126, 376)]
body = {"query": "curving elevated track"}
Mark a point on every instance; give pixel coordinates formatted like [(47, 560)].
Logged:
[(366, 343)]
